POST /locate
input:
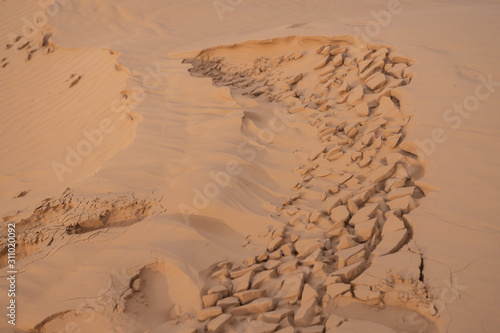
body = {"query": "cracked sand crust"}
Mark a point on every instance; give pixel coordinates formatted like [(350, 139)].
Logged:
[(347, 91)]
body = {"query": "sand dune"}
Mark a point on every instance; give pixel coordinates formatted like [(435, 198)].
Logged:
[(250, 166), (71, 111)]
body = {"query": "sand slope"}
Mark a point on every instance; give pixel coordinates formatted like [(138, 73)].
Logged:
[(122, 245), (64, 110)]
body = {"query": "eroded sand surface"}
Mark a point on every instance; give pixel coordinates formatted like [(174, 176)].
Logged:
[(346, 225), (165, 181)]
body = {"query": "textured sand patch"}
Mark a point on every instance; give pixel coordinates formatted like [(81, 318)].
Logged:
[(346, 232)]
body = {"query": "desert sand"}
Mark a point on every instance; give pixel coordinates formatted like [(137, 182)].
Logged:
[(249, 166)]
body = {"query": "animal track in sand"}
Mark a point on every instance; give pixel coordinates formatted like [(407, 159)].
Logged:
[(359, 246)]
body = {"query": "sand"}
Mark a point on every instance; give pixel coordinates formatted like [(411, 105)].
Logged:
[(243, 166)]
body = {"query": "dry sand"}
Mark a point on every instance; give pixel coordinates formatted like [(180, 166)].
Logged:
[(250, 166)]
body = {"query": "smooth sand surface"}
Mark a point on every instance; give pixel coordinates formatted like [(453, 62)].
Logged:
[(251, 166)]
